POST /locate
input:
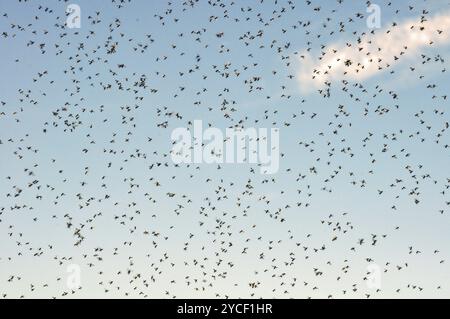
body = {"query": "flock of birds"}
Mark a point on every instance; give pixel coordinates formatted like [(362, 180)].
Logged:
[(87, 177)]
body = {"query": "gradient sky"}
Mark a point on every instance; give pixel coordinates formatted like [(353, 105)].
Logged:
[(24, 243)]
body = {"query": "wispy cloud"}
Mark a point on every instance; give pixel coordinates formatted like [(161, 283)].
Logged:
[(372, 53)]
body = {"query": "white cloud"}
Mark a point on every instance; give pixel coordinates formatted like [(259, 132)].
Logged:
[(373, 53)]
